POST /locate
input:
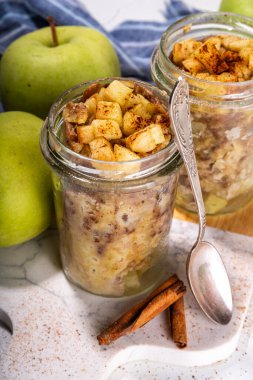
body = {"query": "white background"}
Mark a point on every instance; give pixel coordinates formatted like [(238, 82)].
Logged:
[(111, 12)]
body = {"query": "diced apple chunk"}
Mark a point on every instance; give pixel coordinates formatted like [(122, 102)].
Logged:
[(91, 105), (129, 83), (164, 123), (131, 101), (146, 139), (141, 141), (75, 113), (157, 133), (162, 145), (101, 149), (118, 92), (143, 100), (102, 95), (109, 129), (183, 49), (144, 108), (240, 44), (109, 110), (85, 134), (226, 40), (132, 123), (193, 65), (141, 110), (123, 154)]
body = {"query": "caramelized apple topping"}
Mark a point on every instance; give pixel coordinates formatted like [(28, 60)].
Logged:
[(222, 58), (119, 122)]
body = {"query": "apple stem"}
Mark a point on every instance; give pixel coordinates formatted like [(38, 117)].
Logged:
[(51, 22)]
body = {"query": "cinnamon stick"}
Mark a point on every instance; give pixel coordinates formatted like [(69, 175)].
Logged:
[(178, 324), (159, 303), (161, 298)]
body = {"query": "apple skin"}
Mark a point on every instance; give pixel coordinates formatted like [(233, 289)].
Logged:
[(242, 7), (33, 73), (25, 182)]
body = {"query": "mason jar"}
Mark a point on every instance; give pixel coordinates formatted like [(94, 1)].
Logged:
[(113, 217), (221, 114)]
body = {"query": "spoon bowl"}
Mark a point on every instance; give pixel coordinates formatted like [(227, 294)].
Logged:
[(211, 288)]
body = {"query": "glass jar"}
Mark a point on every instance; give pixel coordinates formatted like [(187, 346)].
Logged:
[(113, 217), (221, 113)]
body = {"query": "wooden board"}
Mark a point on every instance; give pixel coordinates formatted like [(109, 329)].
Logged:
[(240, 221)]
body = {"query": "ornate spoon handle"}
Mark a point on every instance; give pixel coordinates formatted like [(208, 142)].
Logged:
[(181, 121)]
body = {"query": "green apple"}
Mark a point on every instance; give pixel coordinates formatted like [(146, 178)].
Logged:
[(243, 7), (34, 73), (25, 181)]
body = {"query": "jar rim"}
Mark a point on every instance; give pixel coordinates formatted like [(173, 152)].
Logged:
[(85, 165), (203, 16)]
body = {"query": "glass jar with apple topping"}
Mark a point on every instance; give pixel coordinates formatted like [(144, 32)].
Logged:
[(221, 103), (113, 217)]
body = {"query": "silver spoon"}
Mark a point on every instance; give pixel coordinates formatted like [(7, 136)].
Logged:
[(206, 272)]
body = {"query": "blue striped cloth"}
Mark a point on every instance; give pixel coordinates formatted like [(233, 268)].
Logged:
[(134, 41)]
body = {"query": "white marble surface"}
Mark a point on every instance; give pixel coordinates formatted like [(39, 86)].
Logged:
[(55, 323)]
